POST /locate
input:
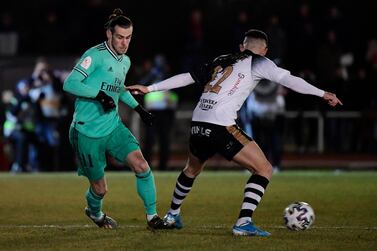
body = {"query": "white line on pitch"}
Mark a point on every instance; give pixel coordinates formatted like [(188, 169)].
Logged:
[(197, 227)]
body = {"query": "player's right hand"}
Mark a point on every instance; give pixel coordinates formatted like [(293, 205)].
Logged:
[(137, 89), (332, 99), (106, 101)]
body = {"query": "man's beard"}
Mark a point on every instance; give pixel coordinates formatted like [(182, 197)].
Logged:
[(116, 51)]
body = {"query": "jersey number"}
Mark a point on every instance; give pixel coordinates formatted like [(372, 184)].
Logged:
[(217, 86)]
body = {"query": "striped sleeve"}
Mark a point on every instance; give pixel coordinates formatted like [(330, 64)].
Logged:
[(88, 62), (85, 66), (74, 84)]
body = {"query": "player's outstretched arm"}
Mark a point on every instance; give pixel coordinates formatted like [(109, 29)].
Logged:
[(301, 86), (176, 81), (137, 89), (332, 99)]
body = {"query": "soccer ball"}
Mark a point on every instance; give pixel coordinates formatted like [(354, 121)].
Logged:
[(299, 216)]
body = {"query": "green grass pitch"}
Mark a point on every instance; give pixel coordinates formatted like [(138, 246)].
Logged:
[(45, 212)]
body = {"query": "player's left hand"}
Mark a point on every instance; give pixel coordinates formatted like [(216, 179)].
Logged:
[(145, 116), (332, 99), (106, 101)]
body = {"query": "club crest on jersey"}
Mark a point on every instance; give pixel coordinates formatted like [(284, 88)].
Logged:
[(86, 62)]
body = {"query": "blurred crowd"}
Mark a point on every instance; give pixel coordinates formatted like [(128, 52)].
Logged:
[(36, 118), (320, 42)]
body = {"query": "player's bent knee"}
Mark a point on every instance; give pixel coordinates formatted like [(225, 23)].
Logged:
[(103, 193), (193, 171), (100, 190), (141, 166), (265, 170)]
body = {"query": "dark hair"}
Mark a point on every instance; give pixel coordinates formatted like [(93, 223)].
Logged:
[(256, 34), (204, 73), (117, 18), (231, 59)]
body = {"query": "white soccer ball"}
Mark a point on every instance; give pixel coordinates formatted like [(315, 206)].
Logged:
[(299, 216)]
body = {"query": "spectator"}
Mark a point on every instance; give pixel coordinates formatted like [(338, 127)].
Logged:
[(265, 108), (241, 25), (7, 96), (51, 25), (19, 129), (9, 35), (46, 93), (194, 45), (303, 43), (163, 106), (278, 45)]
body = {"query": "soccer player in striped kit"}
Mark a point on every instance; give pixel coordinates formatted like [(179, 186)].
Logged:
[(227, 82), (96, 130)]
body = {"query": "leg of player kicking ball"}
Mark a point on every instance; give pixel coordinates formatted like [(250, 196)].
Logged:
[(182, 187), (252, 158), (146, 189)]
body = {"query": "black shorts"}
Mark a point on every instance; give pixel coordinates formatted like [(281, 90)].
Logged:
[(207, 139)]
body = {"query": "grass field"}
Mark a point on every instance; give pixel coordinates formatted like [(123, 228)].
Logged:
[(45, 212)]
